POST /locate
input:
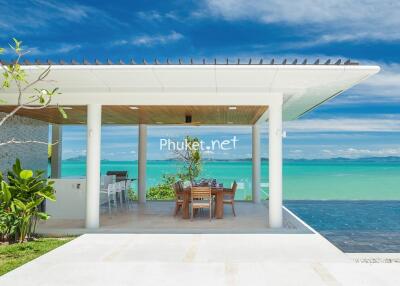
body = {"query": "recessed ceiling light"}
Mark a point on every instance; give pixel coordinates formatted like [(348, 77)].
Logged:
[(232, 107), (133, 107), (66, 107)]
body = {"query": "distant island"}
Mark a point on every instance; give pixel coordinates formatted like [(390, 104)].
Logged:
[(338, 159), (75, 159)]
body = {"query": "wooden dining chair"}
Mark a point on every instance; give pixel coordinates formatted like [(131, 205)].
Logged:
[(201, 199), (229, 196), (178, 188)]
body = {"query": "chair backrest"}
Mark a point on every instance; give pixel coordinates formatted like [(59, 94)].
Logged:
[(201, 193), (178, 188), (111, 188), (181, 186), (128, 184), (119, 186), (119, 175), (123, 184), (230, 194), (234, 188)]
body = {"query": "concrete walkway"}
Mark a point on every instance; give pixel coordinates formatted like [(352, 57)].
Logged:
[(200, 259)]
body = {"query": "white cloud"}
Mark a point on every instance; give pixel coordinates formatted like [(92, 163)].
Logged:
[(150, 15), (327, 20), (124, 144), (181, 131), (151, 40), (344, 125), (58, 49), (359, 153), (156, 16), (69, 11), (295, 154), (382, 87), (297, 129), (26, 16), (71, 153)]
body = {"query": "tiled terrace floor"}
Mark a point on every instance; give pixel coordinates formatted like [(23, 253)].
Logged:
[(157, 217)]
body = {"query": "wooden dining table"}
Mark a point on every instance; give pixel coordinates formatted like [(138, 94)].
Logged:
[(217, 192)]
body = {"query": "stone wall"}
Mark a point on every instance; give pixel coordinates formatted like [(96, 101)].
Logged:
[(32, 155)]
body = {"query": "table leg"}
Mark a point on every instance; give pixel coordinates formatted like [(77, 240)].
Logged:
[(219, 205), (185, 206)]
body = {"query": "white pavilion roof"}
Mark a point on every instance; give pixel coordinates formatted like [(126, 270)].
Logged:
[(303, 86)]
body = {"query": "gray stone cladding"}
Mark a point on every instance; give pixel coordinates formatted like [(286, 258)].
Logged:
[(32, 155)]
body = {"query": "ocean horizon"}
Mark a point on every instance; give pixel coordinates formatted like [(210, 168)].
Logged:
[(372, 178)]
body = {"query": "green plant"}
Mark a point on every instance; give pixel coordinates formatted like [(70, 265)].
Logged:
[(14, 74), (248, 198), (132, 195), (164, 190), (20, 199), (191, 158), (9, 222)]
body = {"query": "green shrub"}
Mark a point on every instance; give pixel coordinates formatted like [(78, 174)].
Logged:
[(164, 190), (132, 195), (20, 199), (191, 169)]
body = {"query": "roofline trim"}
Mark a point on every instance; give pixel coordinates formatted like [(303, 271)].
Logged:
[(190, 62)]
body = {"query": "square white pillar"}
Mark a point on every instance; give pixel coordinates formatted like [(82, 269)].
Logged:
[(56, 150), (93, 166), (256, 157), (275, 163), (142, 162)]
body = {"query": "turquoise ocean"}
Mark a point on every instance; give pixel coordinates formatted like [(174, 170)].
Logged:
[(337, 179)]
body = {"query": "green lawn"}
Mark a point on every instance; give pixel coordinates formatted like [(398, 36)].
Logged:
[(14, 255)]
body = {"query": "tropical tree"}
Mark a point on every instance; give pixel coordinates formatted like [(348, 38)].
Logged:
[(191, 158), (28, 95)]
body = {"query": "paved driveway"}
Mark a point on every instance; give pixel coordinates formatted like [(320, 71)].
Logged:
[(199, 259)]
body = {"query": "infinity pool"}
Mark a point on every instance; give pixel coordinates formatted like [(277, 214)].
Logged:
[(353, 226)]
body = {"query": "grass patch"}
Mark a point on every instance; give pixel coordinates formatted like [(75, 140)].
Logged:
[(15, 255)]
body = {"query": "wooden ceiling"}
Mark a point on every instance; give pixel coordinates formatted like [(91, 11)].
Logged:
[(117, 114)]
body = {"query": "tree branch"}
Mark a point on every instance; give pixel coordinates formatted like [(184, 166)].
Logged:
[(41, 77), (5, 118), (14, 141), (13, 72)]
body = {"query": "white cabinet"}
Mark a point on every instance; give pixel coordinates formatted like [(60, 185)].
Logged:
[(71, 199)]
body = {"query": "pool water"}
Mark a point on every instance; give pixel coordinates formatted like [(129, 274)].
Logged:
[(353, 226)]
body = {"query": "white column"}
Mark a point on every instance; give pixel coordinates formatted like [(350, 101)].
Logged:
[(275, 164), (56, 150), (93, 165), (256, 163), (142, 158)]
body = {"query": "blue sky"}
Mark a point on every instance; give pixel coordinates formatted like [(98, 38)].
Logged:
[(364, 121)]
